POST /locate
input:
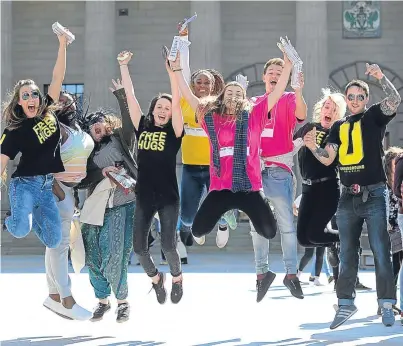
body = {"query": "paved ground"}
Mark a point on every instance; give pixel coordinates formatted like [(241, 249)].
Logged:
[(218, 308)]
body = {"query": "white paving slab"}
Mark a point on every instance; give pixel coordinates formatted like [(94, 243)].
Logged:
[(218, 308)]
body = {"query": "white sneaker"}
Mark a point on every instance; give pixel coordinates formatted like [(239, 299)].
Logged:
[(200, 240), (222, 237), (316, 282), (52, 305)]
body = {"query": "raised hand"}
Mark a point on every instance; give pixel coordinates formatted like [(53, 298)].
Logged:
[(176, 64), (374, 70), (63, 39), (116, 85), (185, 31), (124, 57)]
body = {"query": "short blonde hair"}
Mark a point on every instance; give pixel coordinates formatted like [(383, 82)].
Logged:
[(338, 99)]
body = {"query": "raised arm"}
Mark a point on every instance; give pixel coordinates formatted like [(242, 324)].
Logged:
[(281, 84), (392, 100), (177, 119), (325, 155), (183, 85), (134, 106), (300, 104), (127, 125), (59, 70)]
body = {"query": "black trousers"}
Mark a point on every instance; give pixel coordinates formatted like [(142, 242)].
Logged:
[(317, 207), (146, 208), (253, 203), (320, 251)]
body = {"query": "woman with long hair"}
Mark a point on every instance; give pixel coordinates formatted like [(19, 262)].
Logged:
[(195, 179), (320, 184), (234, 126), (159, 135), (33, 130), (107, 228), (76, 147)]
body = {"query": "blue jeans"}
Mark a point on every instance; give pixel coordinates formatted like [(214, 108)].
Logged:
[(33, 206), (194, 185), (351, 213), (278, 188), (325, 266), (400, 222)]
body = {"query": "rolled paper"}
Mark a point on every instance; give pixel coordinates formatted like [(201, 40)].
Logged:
[(59, 29), (174, 48), (187, 21), (296, 70)]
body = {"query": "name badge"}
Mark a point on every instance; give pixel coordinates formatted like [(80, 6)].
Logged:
[(229, 151), (195, 131), (268, 133)]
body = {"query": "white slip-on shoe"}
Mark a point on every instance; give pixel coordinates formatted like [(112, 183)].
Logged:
[(76, 313), (222, 237), (200, 240), (55, 307)]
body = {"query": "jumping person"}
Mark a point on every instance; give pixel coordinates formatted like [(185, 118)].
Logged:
[(159, 136), (76, 147), (108, 239), (33, 130), (277, 155), (357, 141), (195, 180)]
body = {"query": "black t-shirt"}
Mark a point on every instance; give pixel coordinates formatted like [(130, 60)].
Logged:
[(309, 165), (38, 141), (359, 138), (156, 158)]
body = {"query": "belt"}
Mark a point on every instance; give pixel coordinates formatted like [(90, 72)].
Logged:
[(315, 181), (358, 190)]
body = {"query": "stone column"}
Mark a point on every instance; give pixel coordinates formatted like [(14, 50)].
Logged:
[(205, 31), (311, 45), (6, 76), (100, 54)]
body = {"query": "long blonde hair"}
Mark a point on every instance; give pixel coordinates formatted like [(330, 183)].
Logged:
[(338, 99), (13, 113), (216, 103)]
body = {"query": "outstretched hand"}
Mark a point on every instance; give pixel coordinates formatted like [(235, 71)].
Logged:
[(176, 64), (116, 85), (300, 82), (63, 39)]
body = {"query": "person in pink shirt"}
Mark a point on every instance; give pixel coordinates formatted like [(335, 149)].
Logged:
[(277, 155), (234, 126)]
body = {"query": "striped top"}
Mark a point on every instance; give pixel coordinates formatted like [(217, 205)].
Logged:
[(74, 153)]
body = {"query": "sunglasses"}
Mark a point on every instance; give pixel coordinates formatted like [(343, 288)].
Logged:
[(34, 94), (352, 97)]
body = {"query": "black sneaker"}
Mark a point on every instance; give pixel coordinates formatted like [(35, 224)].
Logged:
[(184, 260), (294, 286), (186, 238), (343, 313), (176, 292), (123, 312), (360, 286), (100, 311), (160, 290), (333, 255), (263, 285), (311, 278)]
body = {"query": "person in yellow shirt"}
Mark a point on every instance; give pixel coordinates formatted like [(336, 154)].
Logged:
[(195, 180)]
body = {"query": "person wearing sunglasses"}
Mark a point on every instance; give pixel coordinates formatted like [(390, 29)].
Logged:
[(33, 130), (357, 141)]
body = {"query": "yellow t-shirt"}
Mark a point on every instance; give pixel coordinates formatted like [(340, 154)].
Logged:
[(195, 143)]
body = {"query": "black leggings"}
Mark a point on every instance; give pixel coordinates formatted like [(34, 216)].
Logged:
[(320, 251), (146, 208), (317, 207), (254, 204)]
